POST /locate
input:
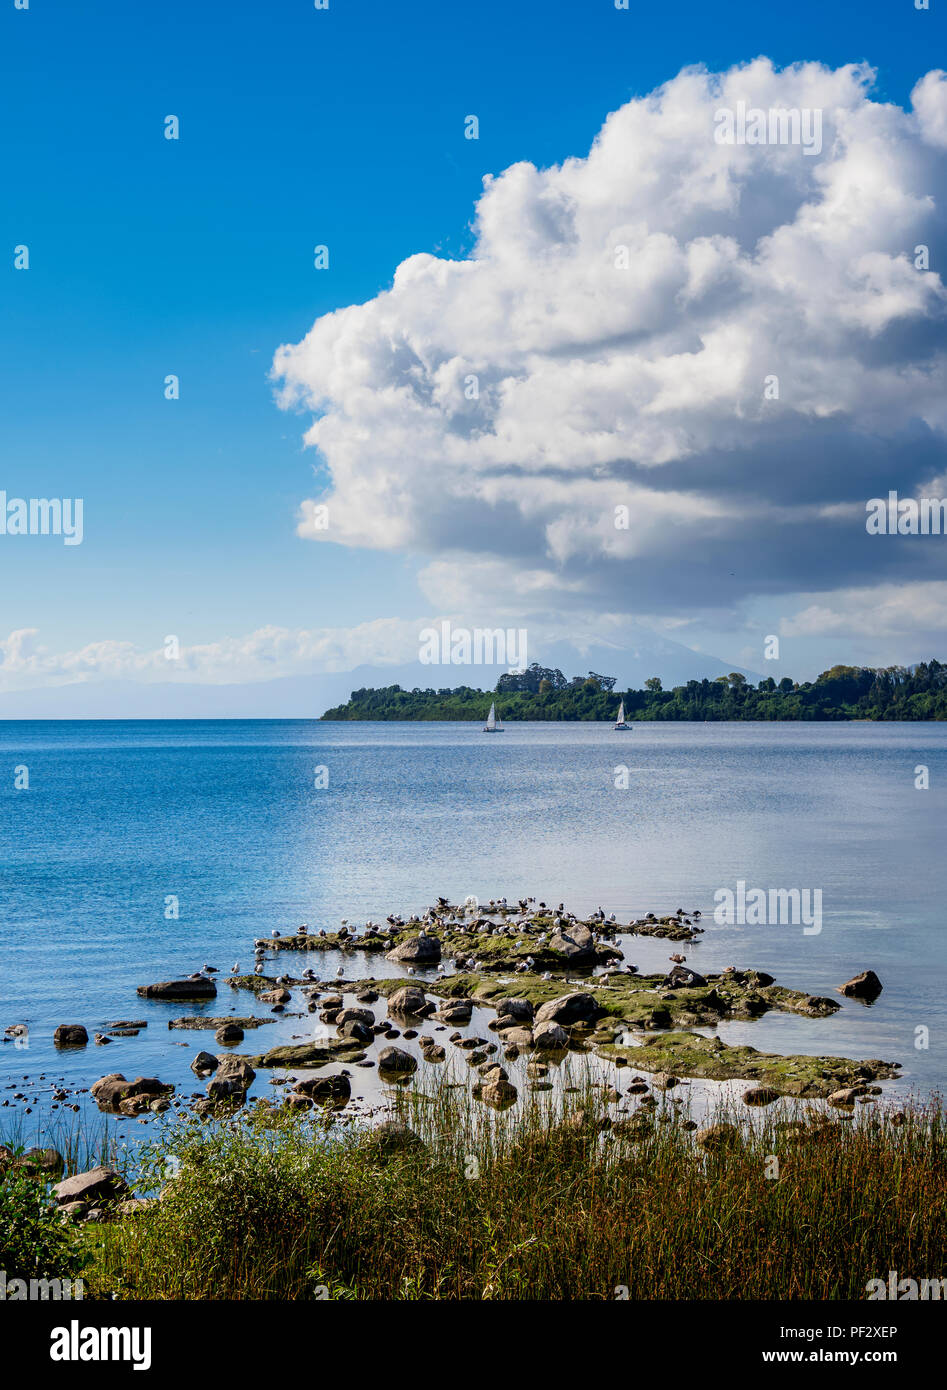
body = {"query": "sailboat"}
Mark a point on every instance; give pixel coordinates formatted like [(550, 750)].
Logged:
[(620, 721), (493, 725)]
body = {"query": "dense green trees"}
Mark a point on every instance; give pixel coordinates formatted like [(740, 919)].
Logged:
[(844, 692)]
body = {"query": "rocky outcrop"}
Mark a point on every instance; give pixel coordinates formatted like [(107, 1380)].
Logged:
[(418, 950), (70, 1035), (577, 945), (123, 1097), (569, 1008), (179, 989)]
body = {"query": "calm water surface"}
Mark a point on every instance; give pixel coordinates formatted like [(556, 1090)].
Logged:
[(226, 817)]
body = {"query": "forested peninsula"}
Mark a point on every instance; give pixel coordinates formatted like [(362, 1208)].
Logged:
[(541, 693)]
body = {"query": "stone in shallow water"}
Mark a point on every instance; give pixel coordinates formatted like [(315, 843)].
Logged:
[(760, 1095), (395, 1059)]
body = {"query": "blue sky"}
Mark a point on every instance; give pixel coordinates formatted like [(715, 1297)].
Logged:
[(194, 257)]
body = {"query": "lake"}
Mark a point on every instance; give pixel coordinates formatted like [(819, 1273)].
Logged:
[(226, 821)]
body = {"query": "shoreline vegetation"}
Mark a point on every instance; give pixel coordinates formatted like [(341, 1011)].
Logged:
[(588, 1178), (444, 1202), (843, 693)]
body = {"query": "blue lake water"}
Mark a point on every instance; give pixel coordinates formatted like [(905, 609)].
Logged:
[(226, 817)]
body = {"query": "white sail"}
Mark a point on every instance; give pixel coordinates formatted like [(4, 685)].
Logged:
[(493, 725), (620, 721)]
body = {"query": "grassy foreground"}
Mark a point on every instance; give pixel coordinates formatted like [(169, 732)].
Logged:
[(487, 1206)]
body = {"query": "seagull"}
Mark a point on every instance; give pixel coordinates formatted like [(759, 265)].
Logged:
[(339, 973), (274, 933), (235, 968), (547, 976)]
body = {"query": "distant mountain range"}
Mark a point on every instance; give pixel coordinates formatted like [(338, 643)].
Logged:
[(308, 696)]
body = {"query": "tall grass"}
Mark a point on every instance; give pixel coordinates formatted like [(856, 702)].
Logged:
[(537, 1204)]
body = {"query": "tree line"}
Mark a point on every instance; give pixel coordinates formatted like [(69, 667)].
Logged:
[(843, 692)]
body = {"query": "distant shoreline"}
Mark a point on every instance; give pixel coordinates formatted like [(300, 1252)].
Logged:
[(843, 694)]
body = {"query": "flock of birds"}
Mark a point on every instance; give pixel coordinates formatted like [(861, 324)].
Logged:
[(470, 919)]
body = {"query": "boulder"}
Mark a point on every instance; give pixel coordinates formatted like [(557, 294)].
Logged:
[(662, 1081), (847, 1096), (326, 1089), (236, 1071), (433, 1053), (358, 1032), (456, 1011), (548, 1037), (70, 1035), (395, 1059), (863, 986), (520, 1009), (148, 1086), (229, 1034), (760, 1095), (577, 945), (203, 1064), (97, 1185), (424, 950), (47, 1163), (407, 1002), (354, 1016), (275, 996), (682, 977), (570, 1008), (498, 1094), (179, 989), (225, 1089), (111, 1091), (718, 1136), (389, 1139)]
